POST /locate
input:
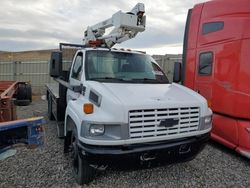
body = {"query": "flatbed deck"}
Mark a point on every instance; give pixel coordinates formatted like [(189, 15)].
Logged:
[(56, 105), (54, 89)]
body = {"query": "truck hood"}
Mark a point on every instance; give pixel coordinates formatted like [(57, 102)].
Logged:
[(138, 96)]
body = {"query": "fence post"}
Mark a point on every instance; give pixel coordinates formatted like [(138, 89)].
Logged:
[(14, 70)]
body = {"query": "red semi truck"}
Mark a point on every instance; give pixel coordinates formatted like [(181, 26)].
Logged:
[(216, 64)]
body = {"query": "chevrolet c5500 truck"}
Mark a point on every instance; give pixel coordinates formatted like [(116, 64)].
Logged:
[(118, 104)]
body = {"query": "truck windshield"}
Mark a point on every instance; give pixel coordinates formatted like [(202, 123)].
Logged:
[(107, 66)]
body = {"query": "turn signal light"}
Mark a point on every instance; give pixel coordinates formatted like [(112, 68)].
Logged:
[(88, 108), (209, 103)]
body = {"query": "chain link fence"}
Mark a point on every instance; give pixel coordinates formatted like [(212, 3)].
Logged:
[(33, 66)]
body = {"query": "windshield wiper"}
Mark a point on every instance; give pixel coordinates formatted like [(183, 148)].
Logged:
[(107, 78), (133, 80), (149, 80), (145, 79)]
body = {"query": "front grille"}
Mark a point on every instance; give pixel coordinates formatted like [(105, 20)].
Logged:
[(145, 123)]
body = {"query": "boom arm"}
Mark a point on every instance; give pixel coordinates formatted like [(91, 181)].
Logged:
[(126, 26)]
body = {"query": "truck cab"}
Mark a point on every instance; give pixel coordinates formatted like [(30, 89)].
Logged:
[(119, 104), (130, 96), (216, 65)]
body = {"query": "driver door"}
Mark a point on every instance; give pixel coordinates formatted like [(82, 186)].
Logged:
[(75, 76)]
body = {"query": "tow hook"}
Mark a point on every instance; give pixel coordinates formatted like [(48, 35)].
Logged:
[(184, 148), (147, 157), (100, 168)]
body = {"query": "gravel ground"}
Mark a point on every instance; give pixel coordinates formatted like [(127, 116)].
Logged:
[(47, 166)]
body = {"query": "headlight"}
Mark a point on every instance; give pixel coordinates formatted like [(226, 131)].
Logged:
[(208, 119), (96, 130), (206, 122)]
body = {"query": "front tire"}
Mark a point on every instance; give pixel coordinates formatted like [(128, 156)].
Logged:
[(82, 170)]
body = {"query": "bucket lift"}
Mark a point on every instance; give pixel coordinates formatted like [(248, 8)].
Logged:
[(126, 26)]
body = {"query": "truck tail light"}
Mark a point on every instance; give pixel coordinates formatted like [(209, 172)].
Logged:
[(88, 108)]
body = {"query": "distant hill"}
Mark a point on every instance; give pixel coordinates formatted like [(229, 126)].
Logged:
[(35, 55)]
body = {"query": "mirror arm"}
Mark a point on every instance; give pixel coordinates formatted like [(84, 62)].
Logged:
[(77, 88)]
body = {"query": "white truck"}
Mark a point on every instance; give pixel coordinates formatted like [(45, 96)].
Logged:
[(118, 104)]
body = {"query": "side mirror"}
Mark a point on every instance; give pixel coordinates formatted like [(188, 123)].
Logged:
[(177, 72), (79, 89), (55, 64)]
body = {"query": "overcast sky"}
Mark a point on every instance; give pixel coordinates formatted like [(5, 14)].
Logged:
[(42, 24)]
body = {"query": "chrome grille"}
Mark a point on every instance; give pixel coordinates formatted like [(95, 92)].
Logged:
[(145, 123)]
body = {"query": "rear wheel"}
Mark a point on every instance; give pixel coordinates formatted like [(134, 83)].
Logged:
[(82, 170)]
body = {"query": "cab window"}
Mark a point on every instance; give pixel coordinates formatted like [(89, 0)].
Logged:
[(212, 27), (77, 67), (205, 63)]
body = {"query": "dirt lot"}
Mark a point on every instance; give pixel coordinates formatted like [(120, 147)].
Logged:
[(47, 166)]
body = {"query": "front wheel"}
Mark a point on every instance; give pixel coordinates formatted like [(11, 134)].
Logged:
[(82, 170)]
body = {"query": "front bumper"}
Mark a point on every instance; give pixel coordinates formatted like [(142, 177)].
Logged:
[(169, 151)]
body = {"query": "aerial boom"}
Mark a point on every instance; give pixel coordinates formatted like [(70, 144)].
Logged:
[(126, 26)]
